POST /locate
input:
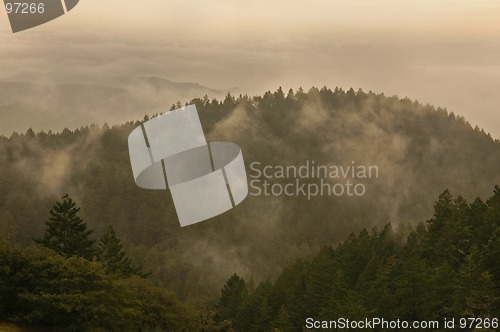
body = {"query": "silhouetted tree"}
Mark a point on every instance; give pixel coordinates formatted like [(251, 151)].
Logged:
[(232, 297), (66, 233), (110, 252)]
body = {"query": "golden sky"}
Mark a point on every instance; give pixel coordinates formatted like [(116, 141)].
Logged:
[(222, 19), (444, 52)]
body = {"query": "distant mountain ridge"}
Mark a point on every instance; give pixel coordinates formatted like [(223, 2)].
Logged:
[(53, 101), (105, 80)]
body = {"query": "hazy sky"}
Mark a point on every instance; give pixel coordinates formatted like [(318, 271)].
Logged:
[(445, 52)]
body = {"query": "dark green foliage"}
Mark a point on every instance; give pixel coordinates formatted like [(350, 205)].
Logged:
[(233, 295), (66, 232), (74, 294), (492, 254), (255, 313), (283, 321), (446, 268), (475, 291), (110, 253)]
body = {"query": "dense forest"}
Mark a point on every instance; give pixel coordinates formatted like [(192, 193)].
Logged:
[(448, 267), (71, 284), (419, 150)]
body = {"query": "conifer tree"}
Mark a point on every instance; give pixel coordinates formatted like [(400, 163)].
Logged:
[(110, 252), (283, 321), (66, 233), (233, 295)]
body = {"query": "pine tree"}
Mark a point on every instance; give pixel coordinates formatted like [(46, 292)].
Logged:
[(283, 321), (66, 233), (475, 294), (110, 253), (494, 207), (233, 295)]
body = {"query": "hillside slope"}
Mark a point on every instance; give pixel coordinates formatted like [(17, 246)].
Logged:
[(419, 152)]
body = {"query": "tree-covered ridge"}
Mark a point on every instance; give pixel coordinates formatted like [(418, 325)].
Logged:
[(448, 266), (419, 151)]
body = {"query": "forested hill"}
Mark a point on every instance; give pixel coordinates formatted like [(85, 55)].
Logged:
[(447, 267), (419, 151)]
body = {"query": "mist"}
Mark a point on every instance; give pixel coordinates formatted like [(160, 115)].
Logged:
[(445, 54)]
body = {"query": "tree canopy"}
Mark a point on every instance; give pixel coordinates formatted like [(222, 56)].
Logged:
[(446, 267)]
